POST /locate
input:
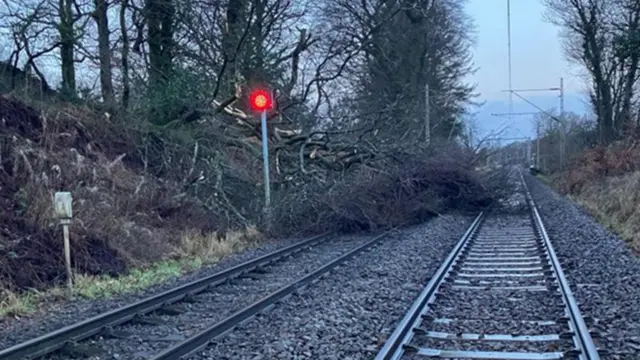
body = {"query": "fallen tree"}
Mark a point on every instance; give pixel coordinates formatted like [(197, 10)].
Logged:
[(138, 187)]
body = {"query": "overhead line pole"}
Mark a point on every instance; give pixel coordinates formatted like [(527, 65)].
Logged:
[(562, 126), (427, 115), (559, 120), (509, 57)]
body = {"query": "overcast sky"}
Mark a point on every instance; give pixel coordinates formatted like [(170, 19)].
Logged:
[(536, 57)]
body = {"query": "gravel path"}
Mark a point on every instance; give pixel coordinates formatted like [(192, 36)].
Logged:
[(349, 313), (603, 273), (53, 317)]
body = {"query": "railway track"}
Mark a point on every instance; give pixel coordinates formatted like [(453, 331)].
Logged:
[(197, 310), (501, 294)]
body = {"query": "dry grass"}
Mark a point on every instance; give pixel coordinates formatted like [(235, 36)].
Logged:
[(606, 182), (615, 202), (124, 217), (208, 248)]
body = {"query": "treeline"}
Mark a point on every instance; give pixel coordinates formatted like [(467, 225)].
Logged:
[(172, 58), (602, 36)]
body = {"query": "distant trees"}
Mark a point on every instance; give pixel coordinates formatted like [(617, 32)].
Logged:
[(604, 37), (325, 58), (405, 46)]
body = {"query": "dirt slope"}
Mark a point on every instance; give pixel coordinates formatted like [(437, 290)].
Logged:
[(123, 216)]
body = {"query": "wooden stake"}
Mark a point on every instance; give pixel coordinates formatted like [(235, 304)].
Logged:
[(67, 258)]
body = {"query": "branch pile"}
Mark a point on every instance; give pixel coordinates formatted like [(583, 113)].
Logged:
[(293, 153)]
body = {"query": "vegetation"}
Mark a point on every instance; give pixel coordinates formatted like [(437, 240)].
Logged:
[(594, 159), (150, 130)]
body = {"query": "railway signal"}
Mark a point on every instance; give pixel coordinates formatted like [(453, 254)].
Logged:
[(261, 100)]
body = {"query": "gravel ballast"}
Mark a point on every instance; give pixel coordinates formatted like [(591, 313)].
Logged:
[(350, 312), (140, 341), (494, 308), (603, 273)]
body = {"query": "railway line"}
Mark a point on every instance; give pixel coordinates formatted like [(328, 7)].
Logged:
[(186, 318), (501, 294)]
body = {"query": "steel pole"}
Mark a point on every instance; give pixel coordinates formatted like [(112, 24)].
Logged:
[(265, 160), (563, 138), (538, 146), (509, 59), (427, 115)]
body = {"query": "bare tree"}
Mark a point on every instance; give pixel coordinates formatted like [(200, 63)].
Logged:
[(67, 46), (126, 87), (602, 36), (407, 46)]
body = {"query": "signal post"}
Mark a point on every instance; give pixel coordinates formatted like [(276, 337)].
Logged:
[(261, 100)]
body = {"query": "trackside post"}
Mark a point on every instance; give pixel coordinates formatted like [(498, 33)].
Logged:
[(63, 210)]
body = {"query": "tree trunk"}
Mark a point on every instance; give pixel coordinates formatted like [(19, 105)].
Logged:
[(102, 22), (236, 18), (160, 14), (67, 44), (125, 54), (254, 70)]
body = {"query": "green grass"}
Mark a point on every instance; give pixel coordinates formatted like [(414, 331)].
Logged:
[(91, 287), (98, 287)]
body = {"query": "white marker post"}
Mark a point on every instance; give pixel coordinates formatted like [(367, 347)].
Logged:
[(63, 211)]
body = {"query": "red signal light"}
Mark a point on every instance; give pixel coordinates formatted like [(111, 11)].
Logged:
[(260, 100)]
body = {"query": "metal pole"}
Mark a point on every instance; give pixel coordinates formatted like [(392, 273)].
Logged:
[(562, 127), (562, 98), (538, 145), (265, 160), (427, 115), (509, 58)]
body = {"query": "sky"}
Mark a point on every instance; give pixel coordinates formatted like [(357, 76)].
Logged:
[(537, 62)]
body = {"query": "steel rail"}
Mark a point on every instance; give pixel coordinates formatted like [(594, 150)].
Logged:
[(200, 340), (392, 349), (399, 341), (583, 335), (55, 340)]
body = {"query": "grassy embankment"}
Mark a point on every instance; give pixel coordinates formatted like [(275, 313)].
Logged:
[(606, 183)]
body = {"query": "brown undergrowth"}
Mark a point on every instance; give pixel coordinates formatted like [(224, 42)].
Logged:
[(606, 182), (124, 216)]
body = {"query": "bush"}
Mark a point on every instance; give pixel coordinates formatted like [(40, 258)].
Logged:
[(595, 164)]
